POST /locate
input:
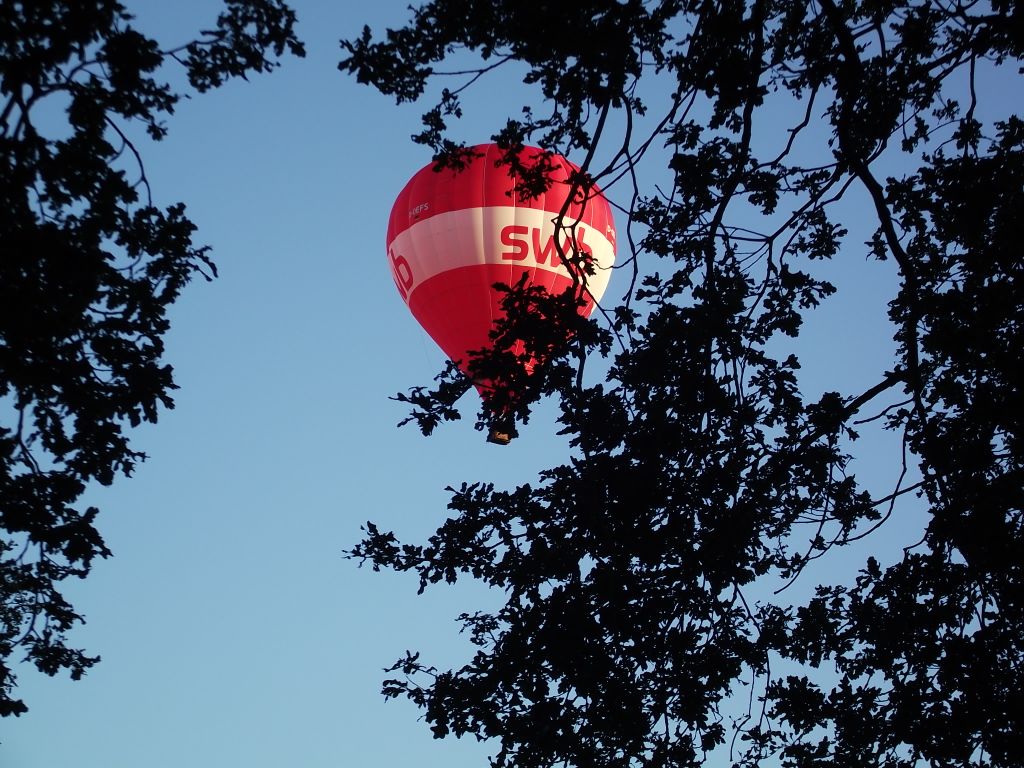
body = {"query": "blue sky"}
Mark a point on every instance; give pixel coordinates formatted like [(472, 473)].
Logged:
[(232, 631)]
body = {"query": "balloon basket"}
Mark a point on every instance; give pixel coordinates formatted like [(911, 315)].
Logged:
[(499, 436)]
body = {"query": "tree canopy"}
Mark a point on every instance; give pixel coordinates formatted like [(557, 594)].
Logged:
[(88, 269), (643, 621)]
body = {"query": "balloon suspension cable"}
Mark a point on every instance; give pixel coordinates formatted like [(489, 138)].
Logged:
[(502, 427)]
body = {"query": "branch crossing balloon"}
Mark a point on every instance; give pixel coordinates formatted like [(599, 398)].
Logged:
[(453, 234)]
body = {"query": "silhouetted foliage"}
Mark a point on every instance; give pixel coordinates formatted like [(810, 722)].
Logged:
[(646, 620), (88, 268)]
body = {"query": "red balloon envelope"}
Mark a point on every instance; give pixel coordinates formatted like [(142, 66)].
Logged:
[(453, 234)]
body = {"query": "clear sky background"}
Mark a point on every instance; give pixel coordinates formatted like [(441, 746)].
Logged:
[(232, 631)]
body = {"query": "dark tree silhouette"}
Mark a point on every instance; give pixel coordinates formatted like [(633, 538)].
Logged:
[(639, 625), (88, 268)]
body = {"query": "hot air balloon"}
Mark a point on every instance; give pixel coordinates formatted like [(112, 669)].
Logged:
[(455, 233)]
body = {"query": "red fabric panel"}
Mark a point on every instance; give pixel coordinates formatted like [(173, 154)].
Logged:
[(458, 307), (482, 183)]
